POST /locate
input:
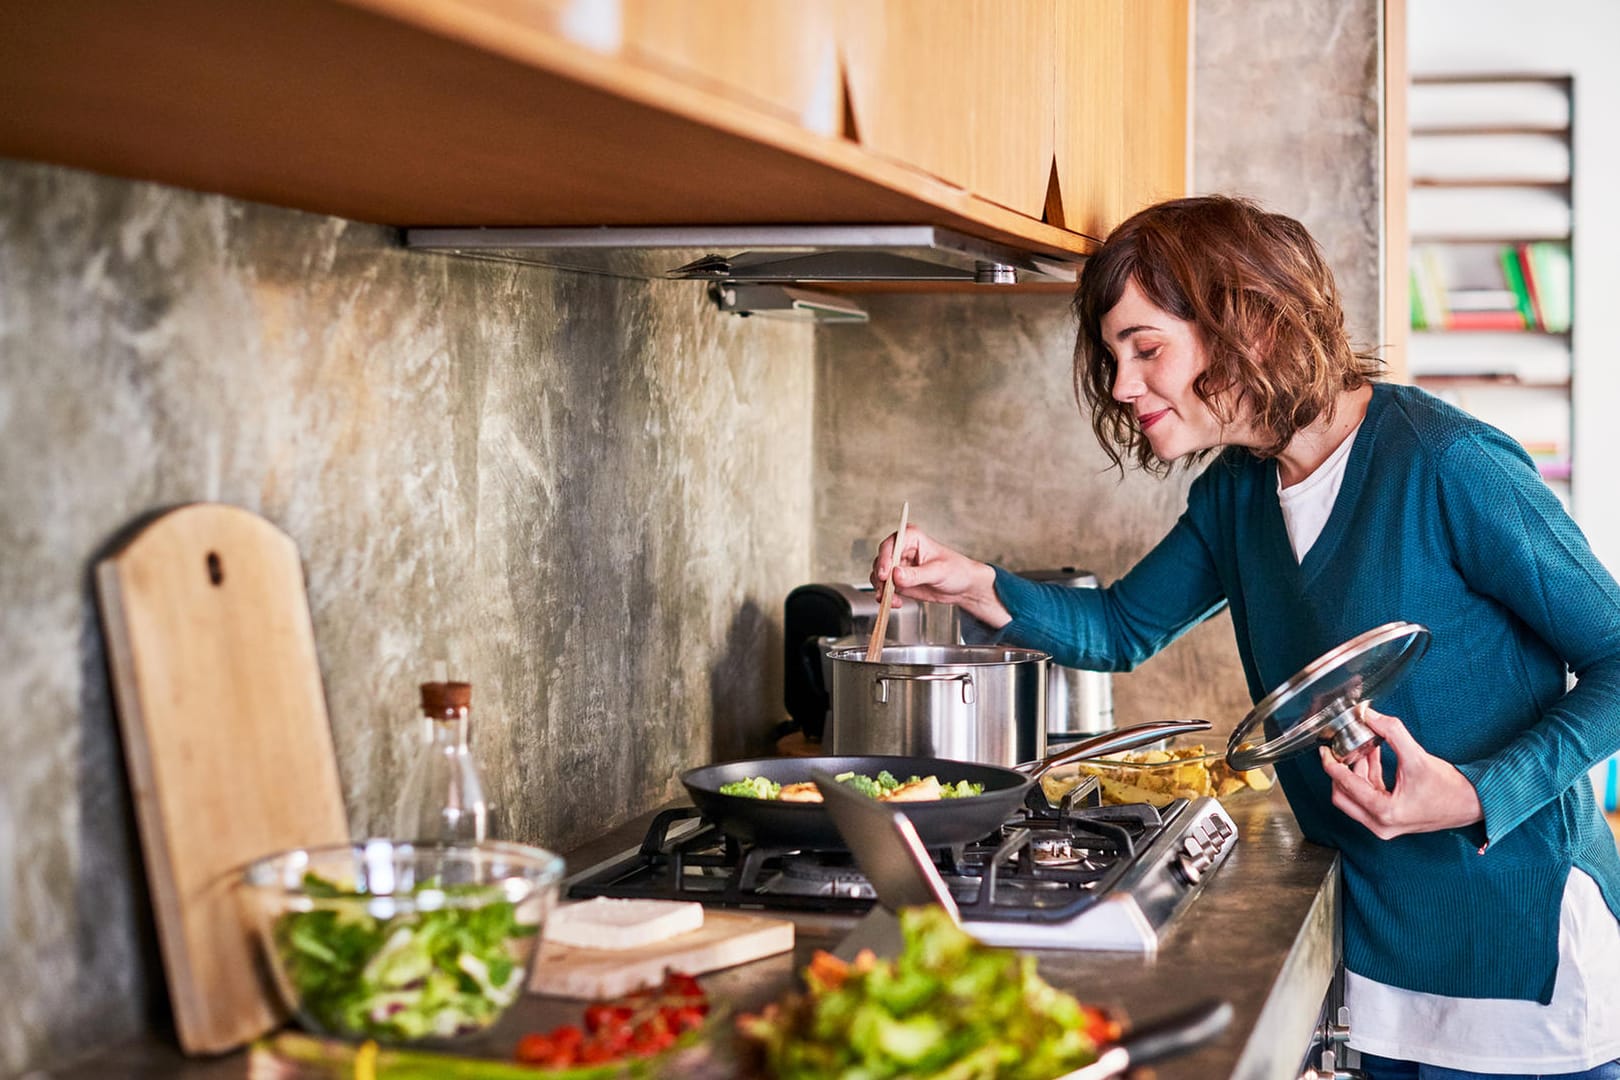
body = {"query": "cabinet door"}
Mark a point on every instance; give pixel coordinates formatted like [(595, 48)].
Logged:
[(908, 69), (1122, 111), (1013, 107), (1158, 46), (1090, 116), (777, 55), (960, 89)]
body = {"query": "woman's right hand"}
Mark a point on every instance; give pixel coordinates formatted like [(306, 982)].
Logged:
[(933, 573)]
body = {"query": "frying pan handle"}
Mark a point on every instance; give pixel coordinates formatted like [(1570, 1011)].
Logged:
[(1113, 742), (1178, 1033), (1158, 1040)]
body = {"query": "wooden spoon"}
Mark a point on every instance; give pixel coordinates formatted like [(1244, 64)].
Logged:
[(874, 648)]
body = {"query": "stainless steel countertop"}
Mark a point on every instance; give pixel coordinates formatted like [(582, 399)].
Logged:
[(1262, 934)]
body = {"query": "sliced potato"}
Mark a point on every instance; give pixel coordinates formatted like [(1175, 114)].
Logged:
[(1116, 791)]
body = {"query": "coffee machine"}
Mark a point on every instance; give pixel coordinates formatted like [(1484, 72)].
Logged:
[(823, 616)]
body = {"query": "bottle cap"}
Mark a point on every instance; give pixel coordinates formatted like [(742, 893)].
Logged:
[(439, 698)]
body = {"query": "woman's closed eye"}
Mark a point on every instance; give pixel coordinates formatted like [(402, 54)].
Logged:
[(1148, 354)]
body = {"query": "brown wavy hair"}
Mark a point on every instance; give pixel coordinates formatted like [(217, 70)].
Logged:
[(1264, 304)]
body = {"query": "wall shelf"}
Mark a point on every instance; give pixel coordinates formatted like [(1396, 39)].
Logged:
[(1491, 219)]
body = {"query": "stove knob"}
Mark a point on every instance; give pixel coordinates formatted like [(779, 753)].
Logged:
[(1190, 869)]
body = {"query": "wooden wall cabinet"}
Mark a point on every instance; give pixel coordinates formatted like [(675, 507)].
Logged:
[(960, 89), (776, 56), (1123, 112), (1034, 123)]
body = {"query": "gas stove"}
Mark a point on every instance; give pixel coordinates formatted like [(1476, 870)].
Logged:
[(1073, 877)]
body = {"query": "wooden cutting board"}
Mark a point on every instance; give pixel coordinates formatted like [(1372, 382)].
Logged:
[(226, 740), (724, 940)]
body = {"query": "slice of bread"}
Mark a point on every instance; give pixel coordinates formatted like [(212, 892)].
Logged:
[(619, 925)]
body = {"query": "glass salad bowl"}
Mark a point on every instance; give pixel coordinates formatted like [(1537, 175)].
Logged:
[(1185, 767), (399, 942)]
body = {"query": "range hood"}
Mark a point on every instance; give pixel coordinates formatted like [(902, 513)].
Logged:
[(758, 262)]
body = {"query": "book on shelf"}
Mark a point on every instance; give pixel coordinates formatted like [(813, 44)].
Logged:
[(1430, 310), (1486, 320), (1510, 256), (1519, 286), (1482, 300), (1549, 277)]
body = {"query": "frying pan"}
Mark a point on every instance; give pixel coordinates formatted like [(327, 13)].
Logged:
[(943, 823)]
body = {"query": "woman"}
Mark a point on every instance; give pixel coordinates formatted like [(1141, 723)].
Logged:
[(1481, 884)]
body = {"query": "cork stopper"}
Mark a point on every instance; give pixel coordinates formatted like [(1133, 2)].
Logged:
[(445, 698)]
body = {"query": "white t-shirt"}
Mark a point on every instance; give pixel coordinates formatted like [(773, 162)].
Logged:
[(1578, 1030)]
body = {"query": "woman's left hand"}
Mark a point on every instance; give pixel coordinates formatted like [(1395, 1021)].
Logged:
[(1429, 793)]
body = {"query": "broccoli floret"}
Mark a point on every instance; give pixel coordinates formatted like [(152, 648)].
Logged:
[(863, 784), (754, 787)]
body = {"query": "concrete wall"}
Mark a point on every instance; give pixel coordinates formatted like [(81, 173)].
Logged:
[(964, 405), (555, 483)]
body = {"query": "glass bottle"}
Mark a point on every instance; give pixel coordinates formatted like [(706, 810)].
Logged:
[(443, 799)]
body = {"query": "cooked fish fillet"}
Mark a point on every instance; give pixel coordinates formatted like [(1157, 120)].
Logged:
[(805, 792), (924, 790)]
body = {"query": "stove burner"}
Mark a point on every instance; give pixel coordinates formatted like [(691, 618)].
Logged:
[(811, 876), (1044, 865)]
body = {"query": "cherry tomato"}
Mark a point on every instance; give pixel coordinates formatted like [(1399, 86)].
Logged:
[(535, 1049), (642, 1023), (594, 1053), (680, 984), (606, 1017)]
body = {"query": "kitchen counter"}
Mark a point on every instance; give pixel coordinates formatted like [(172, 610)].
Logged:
[(1262, 935)]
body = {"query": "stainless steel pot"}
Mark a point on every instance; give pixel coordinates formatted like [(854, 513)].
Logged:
[(983, 703), (1077, 702)]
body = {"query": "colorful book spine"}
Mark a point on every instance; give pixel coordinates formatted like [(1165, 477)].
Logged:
[(1521, 255), (1526, 311), (1485, 320), (1414, 295), (1431, 272), (1551, 270)]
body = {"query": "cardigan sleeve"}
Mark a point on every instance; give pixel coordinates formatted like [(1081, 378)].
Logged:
[(1514, 542), (1176, 586)]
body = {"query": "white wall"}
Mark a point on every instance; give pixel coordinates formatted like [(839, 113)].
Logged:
[(1579, 38)]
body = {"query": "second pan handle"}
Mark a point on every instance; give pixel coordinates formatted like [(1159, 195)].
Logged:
[(1113, 742)]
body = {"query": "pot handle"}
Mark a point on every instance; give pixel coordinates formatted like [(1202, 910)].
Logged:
[(1112, 742), (880, 685)]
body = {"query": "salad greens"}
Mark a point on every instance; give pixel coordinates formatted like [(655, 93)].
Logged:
[(371, 970), (758, 787), (947, 1008)]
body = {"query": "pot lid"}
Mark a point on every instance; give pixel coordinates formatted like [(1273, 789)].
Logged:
[(1318, 703)]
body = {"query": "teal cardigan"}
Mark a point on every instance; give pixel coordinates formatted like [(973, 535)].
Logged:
[(1442, 520)]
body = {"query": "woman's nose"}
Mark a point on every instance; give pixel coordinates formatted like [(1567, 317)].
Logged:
[(1127, 386)]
